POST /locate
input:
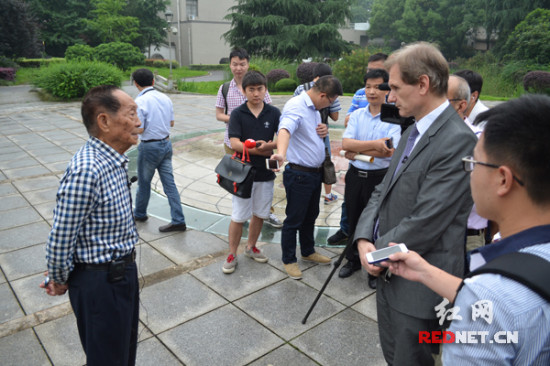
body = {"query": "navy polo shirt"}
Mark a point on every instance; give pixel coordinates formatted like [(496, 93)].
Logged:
[(244, 125)]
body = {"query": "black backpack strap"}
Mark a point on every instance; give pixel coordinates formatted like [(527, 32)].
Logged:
[(225, 90), (528, 269)]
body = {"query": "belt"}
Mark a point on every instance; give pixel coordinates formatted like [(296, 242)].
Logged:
[(166, 138), (305, 168), (128, 259), (366, 173), (474, 232)]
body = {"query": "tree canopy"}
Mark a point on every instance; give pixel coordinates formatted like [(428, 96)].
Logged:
[(18, 30), (289, 28)]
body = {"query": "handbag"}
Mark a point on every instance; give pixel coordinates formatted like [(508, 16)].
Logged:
[(236, 175), (329, 171)]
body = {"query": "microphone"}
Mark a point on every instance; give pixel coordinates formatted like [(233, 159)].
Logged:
[(132, 180)]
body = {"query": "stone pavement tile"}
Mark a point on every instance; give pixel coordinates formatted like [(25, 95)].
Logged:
[(282, 306), (34, 184), (23, 236), (24, 162), (12, 128), (2, 278), (189, 245), (64, 157), (348, 338), (41, 196), (249, 276), (24, 262), (226, 336), (13, 155), (58, 167), (46, 210), (32, 297), (274, 253), (2, 177), (174, 301), (346, 290), (149, 260), (26, 172), (367, 307), (12, 202), (6, 189), (7, 150), (61, 341), (284, 356), (22, 348), (19, 217), (153, 353), (9, 308)]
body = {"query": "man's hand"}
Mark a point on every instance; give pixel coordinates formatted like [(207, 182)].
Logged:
[(408, 265), (280, 159), (350, 155), (322, 130), (382, 148), (53, 288), (365, 247), (263, 148)]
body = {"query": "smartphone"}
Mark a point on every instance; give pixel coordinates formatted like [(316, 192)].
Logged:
[(271, 164), (389, 143), (382, 255)]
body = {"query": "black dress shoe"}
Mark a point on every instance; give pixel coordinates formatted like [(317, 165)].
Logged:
[(372, 282), (348, 269), (141, 219), (172, 227), (339, 238)]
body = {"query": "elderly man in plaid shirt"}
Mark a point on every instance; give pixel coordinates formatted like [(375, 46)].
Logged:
[(90, 249)]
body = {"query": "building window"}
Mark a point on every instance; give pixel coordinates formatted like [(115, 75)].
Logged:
[(192, 8)]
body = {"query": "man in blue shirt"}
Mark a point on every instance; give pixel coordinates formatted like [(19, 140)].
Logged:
[(300, 141), (90, 249), (156, 112), (509, 179)]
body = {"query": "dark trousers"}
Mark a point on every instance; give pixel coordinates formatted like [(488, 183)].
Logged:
[(399, 335), (107, 315), (357, 195), (303, 190)]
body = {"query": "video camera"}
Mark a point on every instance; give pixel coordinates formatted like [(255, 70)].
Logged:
[(390, 113)]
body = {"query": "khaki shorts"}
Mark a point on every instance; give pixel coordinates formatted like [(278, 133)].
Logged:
[(259, 204)]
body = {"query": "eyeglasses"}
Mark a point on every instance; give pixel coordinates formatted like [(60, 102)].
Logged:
[(331, 100), (468, 164), (455, 100)]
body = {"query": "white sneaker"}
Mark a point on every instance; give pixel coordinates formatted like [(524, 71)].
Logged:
[(230, 264), (274, 221), (255, 254)]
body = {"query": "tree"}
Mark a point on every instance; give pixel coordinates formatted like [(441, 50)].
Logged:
[(18, 30), (108, 25), (61, 23), (289, 28), (530, 41), (150, 25), (360, 10)]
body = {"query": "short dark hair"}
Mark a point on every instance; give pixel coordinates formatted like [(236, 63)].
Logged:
[(516, 135), (143, 77), (321, 69), (97, 100), (329, 84), (377, 57), (375, 74), (240, 53), (475, 80), (253, 78)]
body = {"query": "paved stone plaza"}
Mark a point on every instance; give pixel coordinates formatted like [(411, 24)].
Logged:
[(191, 313)]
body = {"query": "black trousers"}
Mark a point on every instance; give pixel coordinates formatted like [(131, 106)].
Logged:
[(357, 195), (107, 315)]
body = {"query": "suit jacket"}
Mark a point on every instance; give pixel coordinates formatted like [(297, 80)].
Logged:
[(425, 206)]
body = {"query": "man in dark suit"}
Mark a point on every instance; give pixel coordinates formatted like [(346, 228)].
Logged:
[(423, 201)]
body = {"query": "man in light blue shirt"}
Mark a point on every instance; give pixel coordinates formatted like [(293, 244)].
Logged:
[(300, 141), (156, 113), (509, 182)]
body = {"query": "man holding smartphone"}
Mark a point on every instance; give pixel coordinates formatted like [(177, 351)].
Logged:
[(259, 121)]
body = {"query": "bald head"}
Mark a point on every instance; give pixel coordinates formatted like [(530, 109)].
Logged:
[(458, 93)]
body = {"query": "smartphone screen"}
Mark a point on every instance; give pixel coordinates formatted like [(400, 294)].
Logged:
[(381, 255), (272, 164)]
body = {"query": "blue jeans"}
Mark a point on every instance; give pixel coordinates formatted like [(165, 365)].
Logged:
[(157, 155), (303, 190)]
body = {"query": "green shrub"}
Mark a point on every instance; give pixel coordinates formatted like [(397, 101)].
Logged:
[(73, 80), (351, 69), (304, 72), (123, 55), (79, 53), (275, 75), (6, 62), (38, 62), (286, 85)]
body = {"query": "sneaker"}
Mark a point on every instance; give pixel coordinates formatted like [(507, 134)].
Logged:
[(317, 258), (331, 197), (230, 264), (339, 238), (293, 271), (255, 254), (274, 221)]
